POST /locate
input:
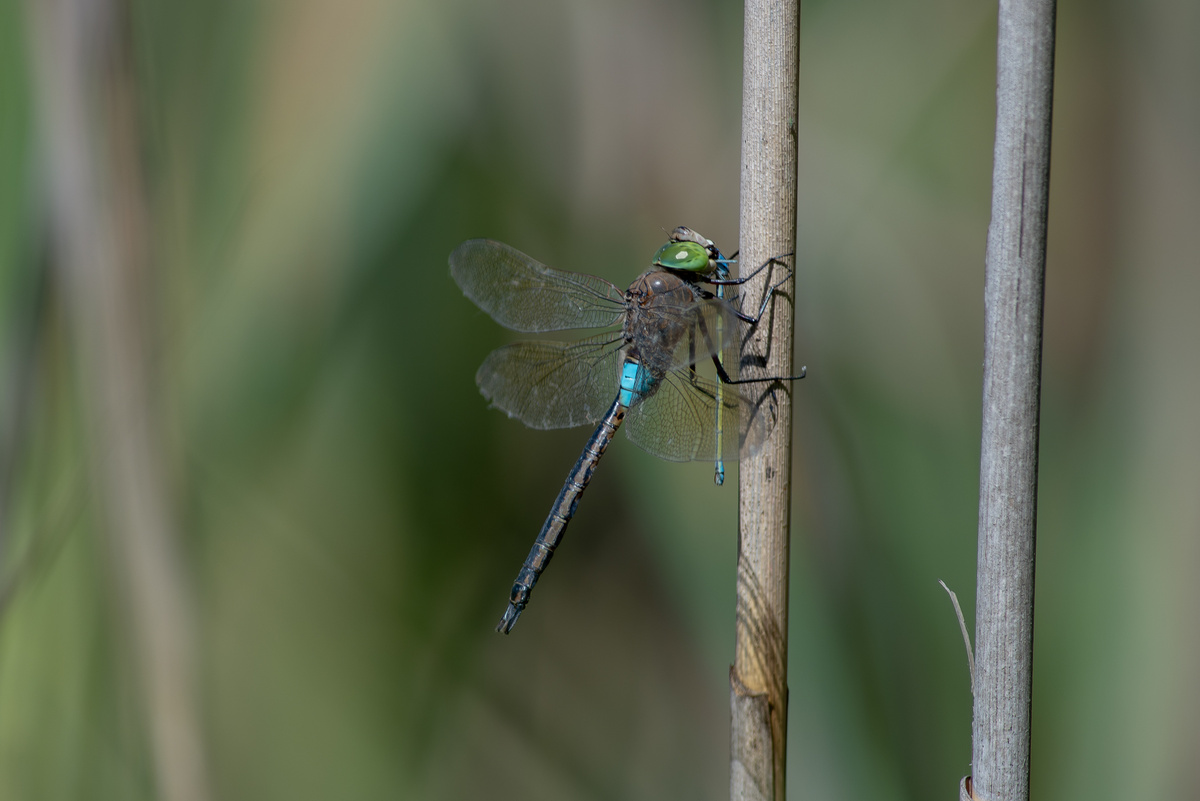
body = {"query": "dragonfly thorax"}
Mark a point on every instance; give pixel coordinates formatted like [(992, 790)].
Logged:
[(658, 287), (660, 312)]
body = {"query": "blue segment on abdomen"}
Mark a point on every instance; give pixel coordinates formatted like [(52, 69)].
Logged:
[(636, 382)]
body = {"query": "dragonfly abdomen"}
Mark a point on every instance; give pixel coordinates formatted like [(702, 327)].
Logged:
[(561, 514)]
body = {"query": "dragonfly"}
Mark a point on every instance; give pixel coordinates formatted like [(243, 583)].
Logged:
[(642, 371)]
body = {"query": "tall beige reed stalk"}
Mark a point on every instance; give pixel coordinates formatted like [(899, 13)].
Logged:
[(1012, 372), (758, 678)]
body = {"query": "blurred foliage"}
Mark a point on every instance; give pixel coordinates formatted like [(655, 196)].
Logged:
[(353, 515)]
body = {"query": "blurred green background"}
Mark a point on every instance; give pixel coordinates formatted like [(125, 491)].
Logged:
[(350, 514)]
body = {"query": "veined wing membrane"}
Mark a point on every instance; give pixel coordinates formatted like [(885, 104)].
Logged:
[(525, 295), (676, 422), (553, 384), (711, 324)]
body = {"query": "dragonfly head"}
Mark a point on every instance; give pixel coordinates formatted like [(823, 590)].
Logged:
[(689, 257), (691, 251)]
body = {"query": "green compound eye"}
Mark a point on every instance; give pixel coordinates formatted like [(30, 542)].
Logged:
[(688, 256)]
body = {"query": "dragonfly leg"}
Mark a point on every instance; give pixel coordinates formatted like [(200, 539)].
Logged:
[(763, 307), (726, 379), (723, 374), (723, 280)]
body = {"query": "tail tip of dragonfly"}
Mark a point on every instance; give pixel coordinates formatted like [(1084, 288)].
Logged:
[(509, 620)]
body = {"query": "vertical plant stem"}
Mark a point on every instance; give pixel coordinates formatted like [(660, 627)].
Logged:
[(101, 226), (1015, 268), (758, 678)]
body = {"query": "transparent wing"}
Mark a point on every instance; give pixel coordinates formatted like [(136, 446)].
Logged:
[(553, 384), (678, 422), (672, 326), (713, 327), (524, 295)]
